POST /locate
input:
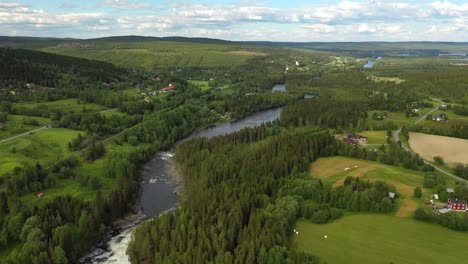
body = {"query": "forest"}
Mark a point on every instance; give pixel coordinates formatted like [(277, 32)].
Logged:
[(242, 193)]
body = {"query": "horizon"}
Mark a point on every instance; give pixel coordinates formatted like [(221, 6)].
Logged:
[(275, 21), (236, 41)]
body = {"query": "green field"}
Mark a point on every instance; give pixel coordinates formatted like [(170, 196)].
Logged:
[(333, 170), (15, 125), (161, 53), (202, 84), (375, 137), (45, 146), (370, 238), (67, 105)]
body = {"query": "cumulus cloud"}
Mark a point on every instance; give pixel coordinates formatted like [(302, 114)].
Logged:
[(126, 5), (348, 19)]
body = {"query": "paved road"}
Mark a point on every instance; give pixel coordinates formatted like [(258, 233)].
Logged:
[(397, 138), (23, 134)]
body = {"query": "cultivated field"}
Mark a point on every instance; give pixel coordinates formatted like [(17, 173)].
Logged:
[(335, 169), (371, 238), (452, 150)]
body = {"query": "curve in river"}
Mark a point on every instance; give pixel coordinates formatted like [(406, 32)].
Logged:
[(158, 189)]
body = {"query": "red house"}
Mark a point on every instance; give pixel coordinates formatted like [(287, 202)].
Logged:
[(457, 205), (167, 89)]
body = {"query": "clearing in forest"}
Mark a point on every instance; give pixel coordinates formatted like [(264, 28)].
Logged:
[(452, 150), (335, 169)]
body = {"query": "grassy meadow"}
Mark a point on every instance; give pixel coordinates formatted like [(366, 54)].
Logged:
[(333, 170), (16, 125), (375, 137), (45, 146), (68, 105), (202, 84), (373, 238), (161, 53)]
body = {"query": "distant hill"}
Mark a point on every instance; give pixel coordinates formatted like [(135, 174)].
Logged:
[(22, 65)]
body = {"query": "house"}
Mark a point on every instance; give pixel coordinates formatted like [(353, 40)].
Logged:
[(297, 63), (450, 191), (456, 205), (391, 195), (415, 111), (30, 85), (349, 141), (443, 107), (40, 195), (439, 117), (168, 88)]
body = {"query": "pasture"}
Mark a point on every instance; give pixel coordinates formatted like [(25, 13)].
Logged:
[(452, 150), (334, 170), (375, 137), (45, 146), (373, 238), (17, 124), (202, 84)]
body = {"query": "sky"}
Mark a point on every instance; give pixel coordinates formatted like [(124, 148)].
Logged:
[(273, 20)]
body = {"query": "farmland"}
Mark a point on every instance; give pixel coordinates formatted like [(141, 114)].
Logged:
[(370, 238), (17, 124), (335, 169), (375, 137), (452, 150), (45, 146)]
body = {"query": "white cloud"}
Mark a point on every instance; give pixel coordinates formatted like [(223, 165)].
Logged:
[(126, 5), (346, 20)]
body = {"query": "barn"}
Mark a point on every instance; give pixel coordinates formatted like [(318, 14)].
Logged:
[(456, 205)]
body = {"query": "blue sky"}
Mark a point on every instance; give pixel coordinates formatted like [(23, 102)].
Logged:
[(287, 20)]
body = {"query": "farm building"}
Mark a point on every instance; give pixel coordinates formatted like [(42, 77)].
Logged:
[(456, 205), (353, 139), (168, 88), (439, 117), (391, 195)]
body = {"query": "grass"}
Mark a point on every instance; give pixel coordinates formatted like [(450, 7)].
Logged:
[(45, 146), (371, 238), (386, 79), (332, 170), (202, 84), (375, 137), (15, 125), (68, 105)]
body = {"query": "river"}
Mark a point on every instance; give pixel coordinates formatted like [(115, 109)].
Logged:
[(159, 190)]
